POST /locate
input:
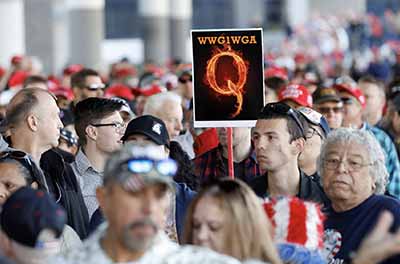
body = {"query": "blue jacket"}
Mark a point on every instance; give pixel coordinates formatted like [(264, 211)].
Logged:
[(183, 197)]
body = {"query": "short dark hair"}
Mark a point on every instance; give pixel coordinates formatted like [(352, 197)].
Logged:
[(34, 79), (92, 110), (294, 129), (22, 104), (78, 79)]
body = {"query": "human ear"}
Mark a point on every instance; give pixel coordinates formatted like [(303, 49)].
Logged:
[(91, 132), (32, 122)]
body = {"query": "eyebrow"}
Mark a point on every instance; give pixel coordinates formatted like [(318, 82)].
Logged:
[(266, 133)]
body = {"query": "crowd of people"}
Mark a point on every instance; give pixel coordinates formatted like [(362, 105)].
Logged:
[(105, 168)]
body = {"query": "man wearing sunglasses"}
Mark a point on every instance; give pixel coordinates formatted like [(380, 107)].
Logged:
[(85, 84), (354, 102), (134, 199), (152, 131), (279, 138), (99, 127), (327, 102)]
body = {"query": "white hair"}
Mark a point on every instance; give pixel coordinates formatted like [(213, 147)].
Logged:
[(155, 103), (376, 156)]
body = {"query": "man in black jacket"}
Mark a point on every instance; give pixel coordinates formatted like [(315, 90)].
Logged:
[(279, 138), (32, 118)]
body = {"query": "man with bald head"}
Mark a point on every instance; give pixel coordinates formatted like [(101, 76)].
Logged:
[(32, 119)]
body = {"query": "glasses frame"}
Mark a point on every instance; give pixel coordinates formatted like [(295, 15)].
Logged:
[(347, 100), (315, 131), (117, 125), (349, 167)]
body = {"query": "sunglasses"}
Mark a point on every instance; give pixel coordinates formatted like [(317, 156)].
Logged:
[(166, 167), (284, 109), (94, 87), (23, 159), (185, 79), (34, 171), (347, 100)]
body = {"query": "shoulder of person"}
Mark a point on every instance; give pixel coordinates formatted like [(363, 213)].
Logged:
[(197, 255)]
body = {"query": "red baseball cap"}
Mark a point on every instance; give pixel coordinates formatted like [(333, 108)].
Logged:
[(297, 93), (120, 90), (353, 91), (276, 72), (71, 69), (17, 79), (16, 59), (63, 92)]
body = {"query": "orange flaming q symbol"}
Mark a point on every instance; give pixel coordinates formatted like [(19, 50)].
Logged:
[(230, 88)]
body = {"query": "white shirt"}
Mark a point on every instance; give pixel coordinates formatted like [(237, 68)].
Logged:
[(163, 251)]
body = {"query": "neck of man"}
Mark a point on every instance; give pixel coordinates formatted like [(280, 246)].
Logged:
[(96, 157), (308, 168), (29, 145), (355, 123), (345, 205), (374, 118), (284, 181), (240, 152), (116, 251)]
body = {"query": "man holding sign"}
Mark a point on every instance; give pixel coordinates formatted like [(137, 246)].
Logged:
[(214, 163)]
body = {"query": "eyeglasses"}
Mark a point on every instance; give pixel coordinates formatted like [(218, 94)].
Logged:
[(352, 164), (95, 86), (313, 132), (326, 110), (284, 109), (184, 79), (347, 100), (165, 167), (118, 126)]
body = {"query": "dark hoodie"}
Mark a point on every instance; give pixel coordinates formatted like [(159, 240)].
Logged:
[(62, 182)]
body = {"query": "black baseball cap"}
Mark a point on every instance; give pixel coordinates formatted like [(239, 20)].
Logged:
[(27, 213), (322, 95), (150, 126)]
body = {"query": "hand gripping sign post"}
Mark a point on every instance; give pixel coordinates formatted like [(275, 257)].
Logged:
[(228, 86)]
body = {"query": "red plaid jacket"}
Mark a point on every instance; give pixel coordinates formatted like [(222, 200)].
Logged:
[(210, 166)]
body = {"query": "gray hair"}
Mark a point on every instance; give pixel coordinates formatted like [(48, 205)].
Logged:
[(377, 170), (155, 102)]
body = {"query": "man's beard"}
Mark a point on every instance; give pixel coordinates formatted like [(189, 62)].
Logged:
[(138, 242)]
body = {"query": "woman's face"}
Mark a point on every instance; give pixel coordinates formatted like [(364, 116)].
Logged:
[(209, 225)]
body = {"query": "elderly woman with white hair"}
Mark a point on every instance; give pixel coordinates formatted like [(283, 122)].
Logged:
[(354, 177)]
